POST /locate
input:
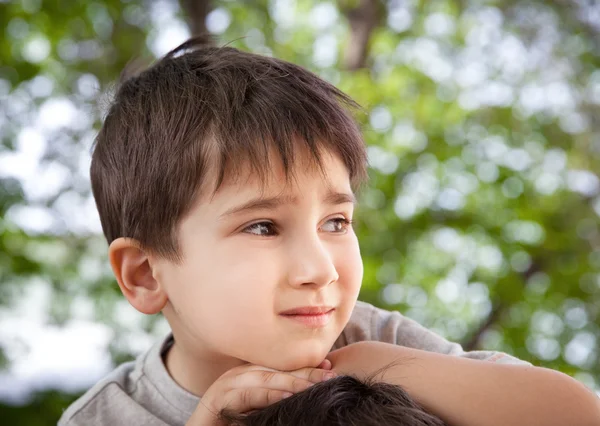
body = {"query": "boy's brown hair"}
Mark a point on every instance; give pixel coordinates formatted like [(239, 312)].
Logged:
[(203, 108), (343, 401)]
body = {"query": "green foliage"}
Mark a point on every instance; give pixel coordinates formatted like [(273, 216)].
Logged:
[(44, 409), (481, 219)]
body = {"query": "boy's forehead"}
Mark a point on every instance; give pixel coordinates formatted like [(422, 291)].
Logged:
[(331, 172), (245, 180)]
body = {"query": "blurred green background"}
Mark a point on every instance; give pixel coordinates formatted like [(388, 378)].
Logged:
[(481, 220)]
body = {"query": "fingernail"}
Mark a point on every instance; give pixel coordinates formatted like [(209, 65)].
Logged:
[(328, 376), (286, 395)]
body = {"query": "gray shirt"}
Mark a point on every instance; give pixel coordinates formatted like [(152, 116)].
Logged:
[(142, 392)]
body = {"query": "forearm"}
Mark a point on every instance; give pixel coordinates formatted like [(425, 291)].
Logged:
[(466, 392)]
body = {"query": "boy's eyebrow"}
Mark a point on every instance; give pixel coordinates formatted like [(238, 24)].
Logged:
[(332, 198)]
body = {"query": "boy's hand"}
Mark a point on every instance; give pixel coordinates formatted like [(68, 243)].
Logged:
[(251, 387)]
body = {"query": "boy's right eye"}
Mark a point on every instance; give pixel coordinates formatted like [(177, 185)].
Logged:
[(263, 229)]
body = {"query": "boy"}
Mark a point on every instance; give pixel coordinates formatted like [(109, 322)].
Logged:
[(343, 401), (224, 182)]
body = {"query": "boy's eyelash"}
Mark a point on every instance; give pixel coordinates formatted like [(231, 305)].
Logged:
[(346, 222)]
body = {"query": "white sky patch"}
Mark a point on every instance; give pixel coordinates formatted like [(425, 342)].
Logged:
[(323, 16), (470, 74), (22, 163), (32, 219), (381, 119), (579, 351), (405, 135), (393, 293), (399, 19), (57, 113), (170, 31), (88, 86), (69, 358), (583, 181), (218, 20), (385, 162), (283, 12), (36, 49), (450, 199), (448, 290), (440, 24), (523, 231), (325, 50), (574, 123), (490, 257), (543, 347), (49, 178), (169, 36), (448, 240), (41, 86)]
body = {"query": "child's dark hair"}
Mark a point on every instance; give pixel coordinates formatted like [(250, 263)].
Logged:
[(343, 401), (203, 108)]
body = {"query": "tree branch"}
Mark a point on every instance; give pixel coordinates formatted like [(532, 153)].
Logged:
[(473, 342), (498, 308), (363, 20), (196, 11)]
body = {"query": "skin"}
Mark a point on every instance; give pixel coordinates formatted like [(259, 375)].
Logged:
[(467, 392), (241, 268)]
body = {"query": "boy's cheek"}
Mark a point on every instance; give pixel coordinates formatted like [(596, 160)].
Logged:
[(351, 270)]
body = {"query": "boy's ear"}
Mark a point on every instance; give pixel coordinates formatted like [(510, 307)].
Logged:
[(133, 271)]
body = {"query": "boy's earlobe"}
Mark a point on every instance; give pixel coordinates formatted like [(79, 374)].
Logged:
[(133, 272)]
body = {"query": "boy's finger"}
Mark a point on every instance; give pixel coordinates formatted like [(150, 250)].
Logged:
[(265, 379), (314, 375), (246, 399), (325, 365)]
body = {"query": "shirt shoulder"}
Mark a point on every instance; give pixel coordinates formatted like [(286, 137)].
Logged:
[(140, 392), (368, 322), (110, 402)]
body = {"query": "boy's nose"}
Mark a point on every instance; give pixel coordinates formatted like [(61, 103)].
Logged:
[(312, 265)]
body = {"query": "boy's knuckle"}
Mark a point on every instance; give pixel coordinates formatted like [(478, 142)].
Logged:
[(267, 376), (245, 397), (311, 375)]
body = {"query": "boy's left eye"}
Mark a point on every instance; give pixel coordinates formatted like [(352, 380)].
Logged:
[(263, 229), (337, 225)]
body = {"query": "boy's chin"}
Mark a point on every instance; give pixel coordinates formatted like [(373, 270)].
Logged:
[(297, 361)]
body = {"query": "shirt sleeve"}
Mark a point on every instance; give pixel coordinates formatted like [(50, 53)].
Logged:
[(370, 323)]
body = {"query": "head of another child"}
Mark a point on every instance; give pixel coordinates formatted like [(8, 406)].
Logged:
[(225, 186), (342, 401)]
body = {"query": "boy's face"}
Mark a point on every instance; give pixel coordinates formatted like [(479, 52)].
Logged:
[(252, 253)]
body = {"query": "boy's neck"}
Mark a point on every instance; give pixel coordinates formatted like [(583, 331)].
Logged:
[(198, 372)]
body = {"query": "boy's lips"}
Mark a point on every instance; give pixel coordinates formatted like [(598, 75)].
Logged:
[(307, 310), (310, 316)]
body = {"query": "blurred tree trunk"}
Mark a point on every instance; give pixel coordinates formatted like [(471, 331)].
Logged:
[(363, 19), (195, 13)]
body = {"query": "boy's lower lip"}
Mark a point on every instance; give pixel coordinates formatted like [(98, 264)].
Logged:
[(312, 320)]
